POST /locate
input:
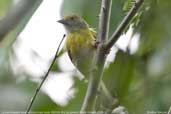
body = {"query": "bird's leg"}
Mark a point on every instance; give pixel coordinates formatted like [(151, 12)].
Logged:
[(96, 44)]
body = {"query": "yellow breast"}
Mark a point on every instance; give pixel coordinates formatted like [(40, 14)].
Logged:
[(78, 40)]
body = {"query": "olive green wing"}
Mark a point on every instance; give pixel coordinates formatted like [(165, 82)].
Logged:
[(94, 33)]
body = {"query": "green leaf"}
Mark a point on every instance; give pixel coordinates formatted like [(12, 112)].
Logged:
[(128, 5), (119, 75), (154, 26)]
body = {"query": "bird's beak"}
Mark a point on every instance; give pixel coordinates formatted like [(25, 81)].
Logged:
[(62, 21)]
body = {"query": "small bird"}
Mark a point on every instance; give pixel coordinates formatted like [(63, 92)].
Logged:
[(80, 43)]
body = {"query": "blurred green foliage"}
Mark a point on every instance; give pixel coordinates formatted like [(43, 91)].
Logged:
[(4, 5), (141, 81)]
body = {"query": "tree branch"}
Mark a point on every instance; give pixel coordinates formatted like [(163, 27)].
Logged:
[(15, 15), (125, 22), (45, 77), (99, 58), (104, 20)]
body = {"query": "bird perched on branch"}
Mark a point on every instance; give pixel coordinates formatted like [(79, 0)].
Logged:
[(80, 43)]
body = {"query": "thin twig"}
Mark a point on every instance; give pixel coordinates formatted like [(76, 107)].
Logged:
[(15, 15), (45, 77), (125, 22), (99, 58)]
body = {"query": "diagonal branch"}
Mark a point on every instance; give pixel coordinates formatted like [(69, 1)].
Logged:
[(45, 77), (15, 15), (125, 22), (99, 58)]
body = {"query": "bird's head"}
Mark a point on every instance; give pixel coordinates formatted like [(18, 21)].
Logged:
[(73, 23)]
